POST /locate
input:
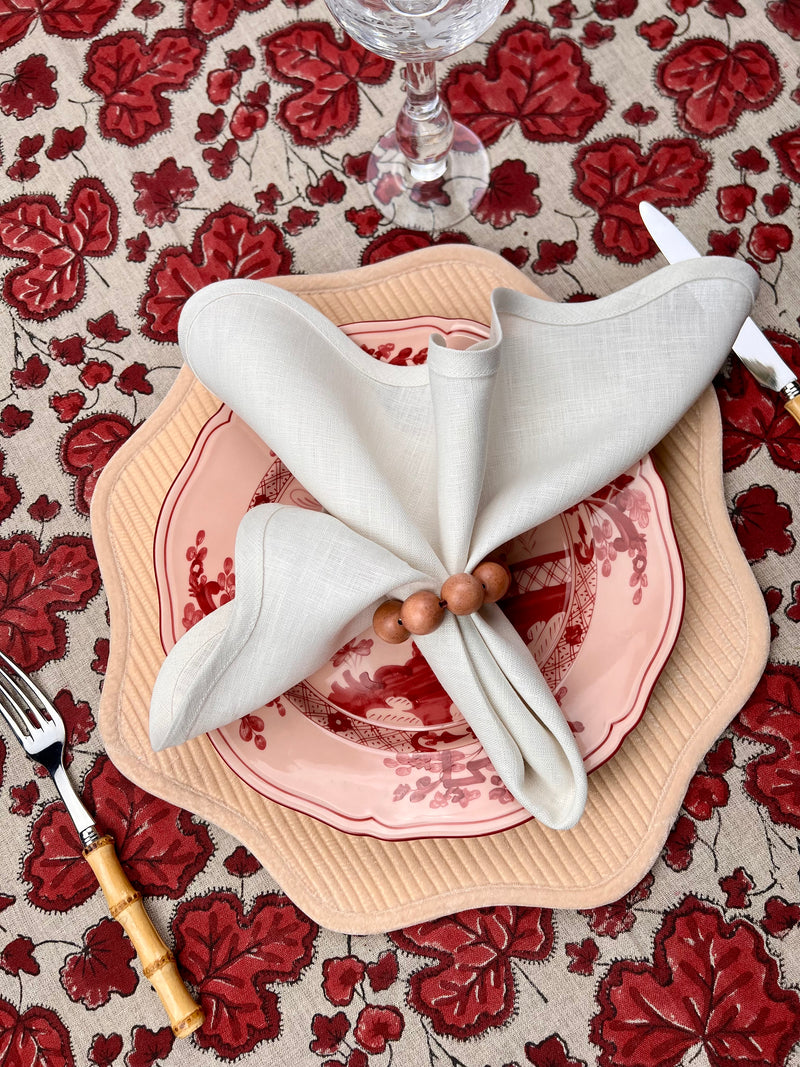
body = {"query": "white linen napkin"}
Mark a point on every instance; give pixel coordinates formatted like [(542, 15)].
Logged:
[(423, 471)]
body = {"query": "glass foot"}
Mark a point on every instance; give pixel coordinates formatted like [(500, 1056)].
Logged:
[(436, 204)]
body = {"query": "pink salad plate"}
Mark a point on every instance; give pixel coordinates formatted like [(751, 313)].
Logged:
[(370, 743)]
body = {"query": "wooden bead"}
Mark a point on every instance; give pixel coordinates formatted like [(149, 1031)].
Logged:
[(495, 579), (386, 623), (422, 612), (462, 593)]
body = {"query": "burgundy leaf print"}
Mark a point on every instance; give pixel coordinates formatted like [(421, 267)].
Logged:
[(10, 495), (18, 956), (552, 1052), (713, 83), (397, 242), (616, 175), (470, 986), (376, 1026), (65, 142), (54, 245), (736, 887), (511, 193), (150, 1047), (770, 718), (86, 449), (611, 920), (63, 18), (780, 917), (132, 76), (582, 956), (762, 523), (37, 586), (36, 1036), (160, 847), (340, 976), (29, 88), (231, 956), (785, 14), (711, 984), (241, 863), (162, 192), (214, 17), (329, 1032), (229, 244), (540, 82), (326, 73), (753, 416), (105, 1050), (101, 967)]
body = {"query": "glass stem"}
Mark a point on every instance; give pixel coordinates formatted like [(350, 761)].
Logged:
[(424, 128)]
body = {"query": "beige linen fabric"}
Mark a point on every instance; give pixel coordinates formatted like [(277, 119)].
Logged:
[(422, 472)]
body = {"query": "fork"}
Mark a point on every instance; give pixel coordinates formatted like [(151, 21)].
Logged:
[(40, 730)]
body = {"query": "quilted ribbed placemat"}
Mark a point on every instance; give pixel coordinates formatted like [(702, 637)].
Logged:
[(363, 885)]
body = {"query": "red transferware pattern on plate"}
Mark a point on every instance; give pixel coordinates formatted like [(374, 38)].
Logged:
[(371, 743)]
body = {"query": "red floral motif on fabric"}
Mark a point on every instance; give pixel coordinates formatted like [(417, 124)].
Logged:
[(614, 176), (10, 495), (762, 522), (552, 1052), (753, 417), (770, 718), (87, 447), (611, 920), (470, 988), (36, 1037), (37, 585), (229, 244), (713, 83), (326, 72), (397, 242), (62, 18), (29, 88), (231, 955), (132, 76), (214, 17), (785, 14), (540, 82), (162, 192), (101, 967), (160, 847), (511, 193), (711, 984), (53, 244)]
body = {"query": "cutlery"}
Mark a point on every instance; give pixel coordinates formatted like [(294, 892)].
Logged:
[(751, 346), (40, 730)]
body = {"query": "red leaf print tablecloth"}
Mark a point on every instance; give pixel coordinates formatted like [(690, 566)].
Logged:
[(149, 147)]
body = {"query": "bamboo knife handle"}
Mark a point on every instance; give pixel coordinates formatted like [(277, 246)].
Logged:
[(158, 964), (793, 407)]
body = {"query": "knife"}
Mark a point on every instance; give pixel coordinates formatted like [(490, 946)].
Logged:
[(751, 346)]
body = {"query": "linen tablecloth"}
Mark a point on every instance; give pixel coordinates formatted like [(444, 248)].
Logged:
[(150, 148)]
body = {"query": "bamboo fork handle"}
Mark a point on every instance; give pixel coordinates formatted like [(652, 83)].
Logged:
[(793, 407), (158, 963)]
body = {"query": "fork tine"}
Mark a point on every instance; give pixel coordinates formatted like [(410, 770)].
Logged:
[(7, 714), (31, 710)]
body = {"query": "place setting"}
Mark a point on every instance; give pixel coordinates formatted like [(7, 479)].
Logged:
[(367, 754)]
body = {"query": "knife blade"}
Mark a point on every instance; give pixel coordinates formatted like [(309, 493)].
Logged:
[(751, 346)]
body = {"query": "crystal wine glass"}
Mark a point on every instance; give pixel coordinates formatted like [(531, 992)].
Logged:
[(428, 172)]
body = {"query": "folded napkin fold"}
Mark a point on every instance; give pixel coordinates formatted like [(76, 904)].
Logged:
[(423, 472)]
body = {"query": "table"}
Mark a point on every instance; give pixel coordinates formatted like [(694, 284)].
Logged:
[(149, 148)]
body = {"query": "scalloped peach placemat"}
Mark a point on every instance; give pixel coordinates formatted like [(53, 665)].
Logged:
[(363, 885)]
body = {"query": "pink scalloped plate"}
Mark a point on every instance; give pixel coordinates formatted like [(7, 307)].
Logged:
[(371, 743)]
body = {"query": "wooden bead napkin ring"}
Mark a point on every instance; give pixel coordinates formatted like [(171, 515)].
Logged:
[(462, 594)]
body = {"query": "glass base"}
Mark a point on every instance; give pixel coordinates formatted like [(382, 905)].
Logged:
[(428, 205)]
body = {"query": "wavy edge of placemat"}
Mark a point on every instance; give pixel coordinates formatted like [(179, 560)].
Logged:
[(364, 885)]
